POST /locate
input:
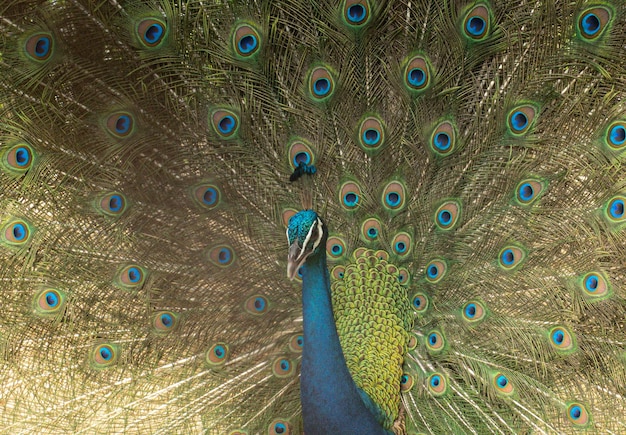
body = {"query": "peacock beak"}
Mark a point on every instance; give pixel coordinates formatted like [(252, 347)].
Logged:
[(295, 259)]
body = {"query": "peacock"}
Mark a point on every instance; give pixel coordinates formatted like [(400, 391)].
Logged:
[(313, 217)]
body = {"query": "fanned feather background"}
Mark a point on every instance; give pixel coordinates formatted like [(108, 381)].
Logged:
[(146, 150)]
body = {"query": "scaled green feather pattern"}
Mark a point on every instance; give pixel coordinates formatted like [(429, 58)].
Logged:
[(373, 319)]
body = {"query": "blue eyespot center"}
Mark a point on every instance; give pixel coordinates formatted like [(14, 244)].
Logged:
[(393, 199), (470, 310), (526, 192), (502, 381), (259, 304), (219, 351), (445, 217), (432, 339), (153, 33), (52, 299), (336, 249), (42, 47), (351, 199), (226, 124), (400, 247), (508, 258), (247, 44), (19, 232), (106, 353), (442, 141), (166, 320), (371, 136), (575, 412), (210, 196), (321, 86), (475, 26), (372, 232), (558, 336), (134, 275), (22, 156), (617, 135), (356, 13), (224, 255), (417, 77), (115, 203), (591, 24), (519, 121), (591, 283), (122, 125), (617, 209), (433, 271), (302, 157), (435, 381)]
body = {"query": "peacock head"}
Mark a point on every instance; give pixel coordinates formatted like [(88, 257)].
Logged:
[(306, 235)]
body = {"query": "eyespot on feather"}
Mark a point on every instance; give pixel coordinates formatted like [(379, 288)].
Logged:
[(371, 229), (371, 135), (477, 23), (437, 384), (420, 302), (401, 244), (112, 204), (39, 47), (151, 32), (221, 256), (300, 151), (528, 191), (436, 270), (473, 312), (246, 41), (417, 74), (257, 305), (502, 384), (283, 368), (335, 248), (356, 13), (120, 125), (216, 355), (225, 123), (49, 302), (164, 322), (595, 285), (321, 84), (447, 215), (207, 195), (104, 355), (16, 233), (443, 138), (578, 415), (296, 343), (521, 119), (435, 342), (338, 272), (393, 197), (615, 137), (18, 158), (562, 340), (510, 257), (350, 195), (593, 22), (279, 427), (131, 276), (406, 382)]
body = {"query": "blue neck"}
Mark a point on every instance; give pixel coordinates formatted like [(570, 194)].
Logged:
[(331, 402)]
